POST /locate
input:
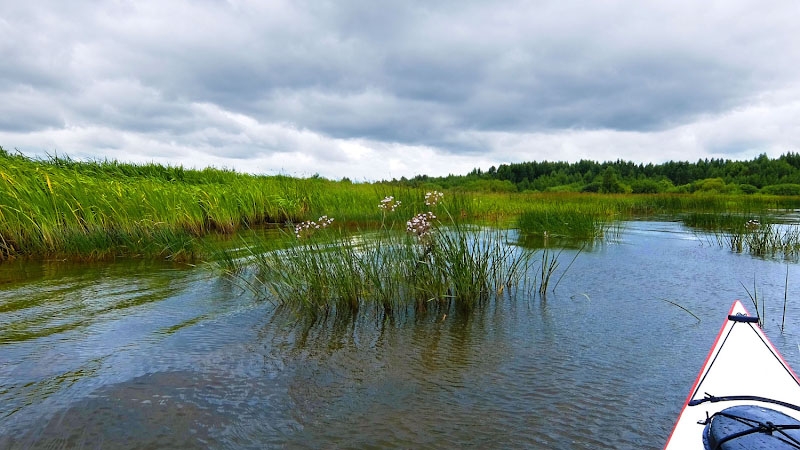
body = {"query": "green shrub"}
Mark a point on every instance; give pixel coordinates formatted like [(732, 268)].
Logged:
[(682, 189), (592, 187), (713, 186), (647, 186), (782, 189), (574, 187), (748, 189)]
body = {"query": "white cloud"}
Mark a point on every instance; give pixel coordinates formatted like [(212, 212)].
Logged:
[(395, 89)]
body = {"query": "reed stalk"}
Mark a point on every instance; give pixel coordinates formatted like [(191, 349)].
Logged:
[(754, 300), (785, 298)]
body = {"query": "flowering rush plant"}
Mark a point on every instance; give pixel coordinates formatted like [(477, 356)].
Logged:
[(421, 224), (752, 224), (389, 204), (433, 198), (307, 228)]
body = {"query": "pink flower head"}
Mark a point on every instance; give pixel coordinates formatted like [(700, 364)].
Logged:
[(421, 224), (389, 204), (433, 198)]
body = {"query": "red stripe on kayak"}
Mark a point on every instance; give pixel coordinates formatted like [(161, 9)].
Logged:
[(702, 369)]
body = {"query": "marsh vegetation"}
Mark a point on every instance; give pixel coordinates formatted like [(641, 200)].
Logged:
[(65, 209), (430, 267), (762, 234)]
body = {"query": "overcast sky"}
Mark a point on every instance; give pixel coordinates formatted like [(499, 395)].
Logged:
[(371, 89)]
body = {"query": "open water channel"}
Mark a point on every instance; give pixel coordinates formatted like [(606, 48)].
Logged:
[(137, 354)]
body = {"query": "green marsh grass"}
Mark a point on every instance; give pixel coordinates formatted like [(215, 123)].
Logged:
[(453, 269), (760, 238), (770, 240), (94, 210), (625, 206), (58, 207), (724, 221), (582, 222)]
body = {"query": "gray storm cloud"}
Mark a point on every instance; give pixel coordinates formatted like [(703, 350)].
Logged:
[(380, 89)]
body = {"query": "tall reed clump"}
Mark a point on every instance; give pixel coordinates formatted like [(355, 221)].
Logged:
[(622, 206), (761, 238), (724, 221), (583, 222), (428, 268), (774, 240), (59, 207)]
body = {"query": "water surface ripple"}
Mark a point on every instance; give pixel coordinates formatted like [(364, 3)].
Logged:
[(151, 355)]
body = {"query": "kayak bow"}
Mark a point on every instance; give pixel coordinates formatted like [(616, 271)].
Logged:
[(745, 396)]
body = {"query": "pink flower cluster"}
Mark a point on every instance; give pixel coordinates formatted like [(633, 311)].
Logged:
[(389, 204), (307, 228), (420, 224), (433, 198)]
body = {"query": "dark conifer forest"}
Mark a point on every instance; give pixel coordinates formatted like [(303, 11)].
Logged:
[(779, 176)]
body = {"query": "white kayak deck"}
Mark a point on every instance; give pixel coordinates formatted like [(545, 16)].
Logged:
[(742, 362)]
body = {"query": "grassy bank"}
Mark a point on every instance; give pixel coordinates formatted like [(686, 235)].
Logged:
[(93, 210), (62, 208)]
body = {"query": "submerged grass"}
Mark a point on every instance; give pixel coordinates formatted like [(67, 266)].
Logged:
[(681, 307)]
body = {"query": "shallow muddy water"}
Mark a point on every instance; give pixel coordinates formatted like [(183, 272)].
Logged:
[(150, 355)]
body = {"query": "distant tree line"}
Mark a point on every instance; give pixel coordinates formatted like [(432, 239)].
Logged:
[(779, 176)]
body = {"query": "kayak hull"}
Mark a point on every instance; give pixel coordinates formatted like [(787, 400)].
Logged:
[(742, 363)]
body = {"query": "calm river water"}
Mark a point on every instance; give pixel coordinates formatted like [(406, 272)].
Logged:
[(151, 355)]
